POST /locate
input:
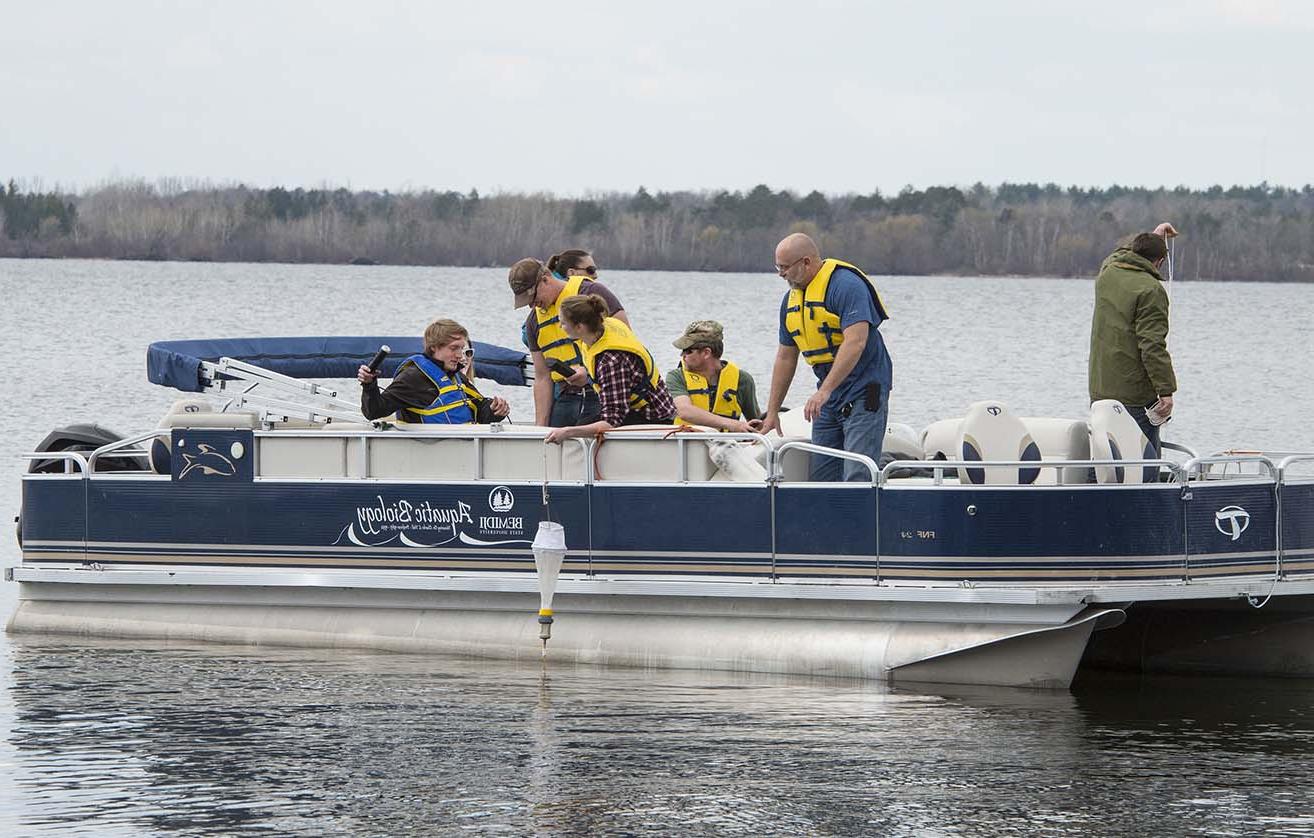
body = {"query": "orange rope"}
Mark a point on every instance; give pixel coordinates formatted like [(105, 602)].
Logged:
[(598, 438), (601, 437)]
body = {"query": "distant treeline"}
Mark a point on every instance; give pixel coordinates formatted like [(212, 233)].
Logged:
[(1247, 233)]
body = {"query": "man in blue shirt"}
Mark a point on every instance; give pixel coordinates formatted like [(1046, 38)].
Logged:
[(830, 316)]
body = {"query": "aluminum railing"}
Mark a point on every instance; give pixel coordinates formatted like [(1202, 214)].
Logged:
[(1184, 474), (1197, 464), (86, 461), (1193, 468), (777, 459), (1290, 460), (70, 458), (123, 445), (1283, 467)]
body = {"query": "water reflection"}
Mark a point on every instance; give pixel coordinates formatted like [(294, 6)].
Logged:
[(113, 738)]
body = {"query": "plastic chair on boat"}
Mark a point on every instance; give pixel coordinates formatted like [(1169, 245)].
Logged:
[(180, 412), (902, 441), (1114, 435), (193, 413), (1061, 439), (940, 439), (990, 431)]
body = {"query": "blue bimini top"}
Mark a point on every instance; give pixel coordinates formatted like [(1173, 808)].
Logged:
[(177, 363)]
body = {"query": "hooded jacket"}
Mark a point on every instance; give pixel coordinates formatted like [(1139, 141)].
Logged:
[(1129, 358)]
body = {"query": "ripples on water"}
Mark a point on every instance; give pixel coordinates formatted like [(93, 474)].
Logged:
[(131, 739)]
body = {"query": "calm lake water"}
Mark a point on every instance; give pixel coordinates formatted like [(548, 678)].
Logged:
[(144, 739)]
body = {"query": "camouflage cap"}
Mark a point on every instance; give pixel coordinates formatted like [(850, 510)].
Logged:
[(523, 278), (699, 333)]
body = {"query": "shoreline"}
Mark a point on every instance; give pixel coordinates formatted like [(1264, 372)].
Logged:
[(611, 268)]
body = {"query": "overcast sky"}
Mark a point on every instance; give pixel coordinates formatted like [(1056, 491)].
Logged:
[(576, 97)]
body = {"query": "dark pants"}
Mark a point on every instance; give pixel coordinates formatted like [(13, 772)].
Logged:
[(1151, 431), (575, 408)]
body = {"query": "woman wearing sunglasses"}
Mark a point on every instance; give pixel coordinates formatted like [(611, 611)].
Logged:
[(573, 262), (435, 387)]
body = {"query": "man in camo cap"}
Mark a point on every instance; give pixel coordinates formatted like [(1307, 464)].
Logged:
[(709, 391)]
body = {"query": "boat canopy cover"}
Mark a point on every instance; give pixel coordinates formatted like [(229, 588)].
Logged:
[(177, 363)]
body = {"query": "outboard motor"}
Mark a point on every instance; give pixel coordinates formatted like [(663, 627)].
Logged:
[(84, 437)]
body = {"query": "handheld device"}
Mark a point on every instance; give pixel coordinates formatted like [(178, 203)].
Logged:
[(1154, 417), (561, 367), (377, 360)]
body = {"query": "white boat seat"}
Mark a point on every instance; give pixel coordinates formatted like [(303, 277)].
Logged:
[(1114, 435), (990, 431), (192, 413), (940, 439), (902, 442), (199, 413), (1059, 440)]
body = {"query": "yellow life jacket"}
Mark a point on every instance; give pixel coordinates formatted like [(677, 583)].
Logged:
[(726, 401), (553, 341), (616, 335), (815, 329), (455, 404)]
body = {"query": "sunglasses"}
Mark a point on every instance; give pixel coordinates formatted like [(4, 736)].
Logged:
[(687, 350), (591, 270)]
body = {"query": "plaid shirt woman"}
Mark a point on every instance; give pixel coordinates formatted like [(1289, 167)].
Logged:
[(617, 374)]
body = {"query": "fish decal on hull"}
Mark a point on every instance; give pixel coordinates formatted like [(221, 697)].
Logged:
[(208, 462)]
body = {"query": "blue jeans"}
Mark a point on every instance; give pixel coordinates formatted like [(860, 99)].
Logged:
[(862, 431), (577, 408)]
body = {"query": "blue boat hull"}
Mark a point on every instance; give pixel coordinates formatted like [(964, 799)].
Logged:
[(1058, 534)]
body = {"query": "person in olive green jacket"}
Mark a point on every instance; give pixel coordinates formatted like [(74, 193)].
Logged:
[(1129, 358)]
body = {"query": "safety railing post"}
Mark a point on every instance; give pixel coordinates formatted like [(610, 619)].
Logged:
[(1283, 467)]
